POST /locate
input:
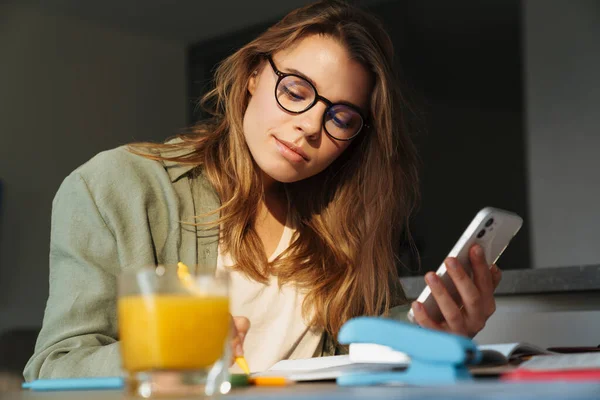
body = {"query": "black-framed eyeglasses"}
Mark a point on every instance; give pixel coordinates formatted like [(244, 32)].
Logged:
[(296, 94)]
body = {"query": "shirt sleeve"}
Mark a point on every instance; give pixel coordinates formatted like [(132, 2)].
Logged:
[(79, 332), (400, 313)]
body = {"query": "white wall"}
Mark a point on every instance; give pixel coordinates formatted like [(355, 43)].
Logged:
[(68, 89), (562, 78)]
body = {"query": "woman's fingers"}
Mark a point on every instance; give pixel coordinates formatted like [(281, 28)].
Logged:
[(469, 294), (240, 327), (482, 276), (242, 324), (496, 275), (422, 318), (476, 296), (450, 310)]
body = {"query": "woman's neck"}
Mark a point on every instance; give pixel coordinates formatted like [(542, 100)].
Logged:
[(272, 215), (274, 202), (274, 194)]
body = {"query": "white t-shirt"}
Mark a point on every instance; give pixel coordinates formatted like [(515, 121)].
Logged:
[(277, 328)]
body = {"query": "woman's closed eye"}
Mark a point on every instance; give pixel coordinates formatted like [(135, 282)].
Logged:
[(294, 93), (341, 120)]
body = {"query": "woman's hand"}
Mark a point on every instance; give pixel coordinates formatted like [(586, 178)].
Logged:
[(477, 296), (240, 327)]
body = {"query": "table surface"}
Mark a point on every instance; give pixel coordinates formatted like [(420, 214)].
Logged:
[(491, 390)]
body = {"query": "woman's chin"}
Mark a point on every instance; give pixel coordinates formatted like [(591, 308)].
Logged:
[(284, 175), (282, 171), (284, 178)]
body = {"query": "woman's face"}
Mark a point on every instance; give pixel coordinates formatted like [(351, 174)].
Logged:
[(290, 147)]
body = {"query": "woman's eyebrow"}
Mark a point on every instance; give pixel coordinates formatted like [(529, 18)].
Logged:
[(296, 72)]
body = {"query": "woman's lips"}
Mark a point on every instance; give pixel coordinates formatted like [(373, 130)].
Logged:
[(290, 151)]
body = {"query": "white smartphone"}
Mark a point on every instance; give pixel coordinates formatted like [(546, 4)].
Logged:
[(493, 230)]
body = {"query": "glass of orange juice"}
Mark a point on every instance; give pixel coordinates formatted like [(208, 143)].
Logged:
[(174, 327)]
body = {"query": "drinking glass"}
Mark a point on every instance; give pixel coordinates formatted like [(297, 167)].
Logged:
[(174, 328)]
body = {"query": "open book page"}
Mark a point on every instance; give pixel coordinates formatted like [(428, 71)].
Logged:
[(310, 364), (558, 362), (325, 368), (503, 353)]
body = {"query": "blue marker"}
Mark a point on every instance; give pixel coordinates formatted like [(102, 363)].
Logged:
[(108, 383)]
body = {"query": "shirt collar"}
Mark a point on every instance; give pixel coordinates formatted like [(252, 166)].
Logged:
[(175, 169)]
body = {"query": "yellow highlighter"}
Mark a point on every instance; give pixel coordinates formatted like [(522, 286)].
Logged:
[(243, 364), (183, 272)]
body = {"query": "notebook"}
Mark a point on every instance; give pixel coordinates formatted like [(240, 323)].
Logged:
[(368, 357)]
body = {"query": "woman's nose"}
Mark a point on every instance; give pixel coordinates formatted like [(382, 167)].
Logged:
[(310, 122)]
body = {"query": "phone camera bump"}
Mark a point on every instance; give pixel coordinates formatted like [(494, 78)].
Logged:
[(480, 234), (489, 222)]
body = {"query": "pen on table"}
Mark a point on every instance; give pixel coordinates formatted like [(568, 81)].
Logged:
[(243, 380), (239, 380), (104, 383), (270, 381)]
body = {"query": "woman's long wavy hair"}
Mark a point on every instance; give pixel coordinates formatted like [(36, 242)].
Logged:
[(351, 217)]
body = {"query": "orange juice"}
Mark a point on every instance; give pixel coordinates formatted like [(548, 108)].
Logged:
[(172, 331)]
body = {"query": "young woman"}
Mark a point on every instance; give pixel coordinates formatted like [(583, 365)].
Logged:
[(301, 185)]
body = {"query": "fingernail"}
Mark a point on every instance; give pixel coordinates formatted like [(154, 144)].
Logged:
[(431, 278), (417, 306), (239, 351), (451, 263)]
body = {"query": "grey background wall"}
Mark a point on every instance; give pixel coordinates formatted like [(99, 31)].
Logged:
[(562, 80), (69, 89)]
